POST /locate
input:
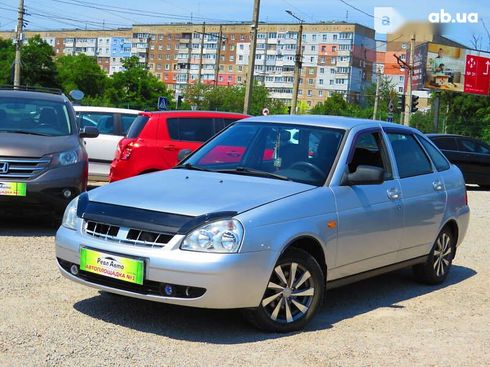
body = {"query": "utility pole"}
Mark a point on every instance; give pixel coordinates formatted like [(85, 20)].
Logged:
[(408, 95), (298, 63), (378, 82), (18, 43), (203, 34), (251, 59), (189, 58), (218, 56)]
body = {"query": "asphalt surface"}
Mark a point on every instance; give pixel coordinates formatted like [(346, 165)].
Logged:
[(46, 320)]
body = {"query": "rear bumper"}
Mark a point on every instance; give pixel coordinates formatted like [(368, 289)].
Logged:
[(45, 192), (120, 170)]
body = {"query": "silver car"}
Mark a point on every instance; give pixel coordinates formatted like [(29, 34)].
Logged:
[(270, 214)]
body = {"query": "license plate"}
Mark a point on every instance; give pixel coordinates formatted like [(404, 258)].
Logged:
[(13, 188), (112, 266)]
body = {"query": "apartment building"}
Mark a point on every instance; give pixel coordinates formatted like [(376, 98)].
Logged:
[(337, 56)]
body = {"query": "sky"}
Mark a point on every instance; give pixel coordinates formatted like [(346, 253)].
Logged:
[(90, 14)]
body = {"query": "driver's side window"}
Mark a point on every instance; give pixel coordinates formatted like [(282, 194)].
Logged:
[(369, 150)]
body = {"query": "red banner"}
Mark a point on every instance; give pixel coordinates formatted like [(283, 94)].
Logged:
[(477, 75)]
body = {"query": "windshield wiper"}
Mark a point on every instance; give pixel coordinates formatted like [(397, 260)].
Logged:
[(254, 172), (23, 132), (195, 168)]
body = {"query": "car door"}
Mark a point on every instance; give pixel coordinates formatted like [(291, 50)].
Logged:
[(369, 216), (183, 133), (100, 150), (476, 158), (423, 194)]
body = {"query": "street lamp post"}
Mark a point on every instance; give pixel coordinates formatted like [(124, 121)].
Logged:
[(298, 63)]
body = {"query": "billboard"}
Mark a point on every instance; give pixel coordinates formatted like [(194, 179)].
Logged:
[(449, 68)]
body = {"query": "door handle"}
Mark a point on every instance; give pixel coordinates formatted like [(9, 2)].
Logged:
[(170, 147), (438, 186), (394, 194)]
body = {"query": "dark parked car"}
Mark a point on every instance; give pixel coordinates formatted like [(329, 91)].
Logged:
[(472, 156), (43, 162)]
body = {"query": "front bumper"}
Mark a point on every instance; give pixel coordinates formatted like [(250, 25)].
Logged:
[(46, 190), (230, 280)]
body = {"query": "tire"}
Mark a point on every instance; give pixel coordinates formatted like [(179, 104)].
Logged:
[(280, 309), (438, 264)]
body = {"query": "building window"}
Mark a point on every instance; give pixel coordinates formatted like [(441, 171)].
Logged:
[(320, 93), (310, 93), (320, 81), (335, 37)]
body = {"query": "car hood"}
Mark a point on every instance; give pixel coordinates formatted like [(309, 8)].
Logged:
[(195, 193), (35, 146)]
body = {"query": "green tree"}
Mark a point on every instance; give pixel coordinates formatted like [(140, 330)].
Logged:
[(231, 99), (82, 72), (38, 67), (136, 87), (7, 56), (336, 105)]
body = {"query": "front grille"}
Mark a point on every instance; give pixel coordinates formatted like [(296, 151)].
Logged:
[(22, 168), (130, 236)]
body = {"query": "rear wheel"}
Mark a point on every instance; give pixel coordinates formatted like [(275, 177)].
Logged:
[(293, 295), (438, 264)]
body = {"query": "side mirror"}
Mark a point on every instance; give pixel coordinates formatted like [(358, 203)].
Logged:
[(89, 132), (364, 175), (183, 153)]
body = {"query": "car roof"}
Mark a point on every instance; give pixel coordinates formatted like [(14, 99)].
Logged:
[(105, 109), (341, 122), (433, 135), (33, 95), (196, 113)]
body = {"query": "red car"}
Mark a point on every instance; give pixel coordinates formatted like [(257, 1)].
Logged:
[(155, 139)]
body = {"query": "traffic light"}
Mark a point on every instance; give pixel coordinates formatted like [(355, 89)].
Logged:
[(415, 102), (401, 103)]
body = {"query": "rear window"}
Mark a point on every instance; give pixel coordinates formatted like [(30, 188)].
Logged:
[(445, 143), (410, 158), (190, 129), (137, 126), (126, 121)]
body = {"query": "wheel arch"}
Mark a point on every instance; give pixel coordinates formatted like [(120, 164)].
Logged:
[(312, 246), (453, 227)]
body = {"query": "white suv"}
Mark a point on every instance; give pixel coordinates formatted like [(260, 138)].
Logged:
[(113, 123)]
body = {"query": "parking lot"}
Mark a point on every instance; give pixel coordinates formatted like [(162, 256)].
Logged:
[(389, 320)]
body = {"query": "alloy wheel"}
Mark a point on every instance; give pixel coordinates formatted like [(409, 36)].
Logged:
[(442, 254), (289, 294)]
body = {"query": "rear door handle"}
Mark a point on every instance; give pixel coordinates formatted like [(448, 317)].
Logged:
[(393, 194), (170, 147), (438, 186)]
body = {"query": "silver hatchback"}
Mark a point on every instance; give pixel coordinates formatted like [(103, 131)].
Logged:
[(268, 215)]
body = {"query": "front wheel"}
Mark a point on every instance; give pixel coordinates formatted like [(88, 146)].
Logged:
[(438, 264), (293, 295)]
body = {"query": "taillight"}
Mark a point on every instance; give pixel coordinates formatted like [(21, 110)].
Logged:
[(125, 148)]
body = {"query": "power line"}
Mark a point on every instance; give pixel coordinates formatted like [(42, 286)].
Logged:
[(132, 11), (355, 8)]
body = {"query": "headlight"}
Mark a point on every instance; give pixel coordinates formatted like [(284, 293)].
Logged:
[(66, 158), (223, 236), (70, 219)]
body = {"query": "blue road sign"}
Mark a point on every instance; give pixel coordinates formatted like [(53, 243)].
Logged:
[(162, 103)]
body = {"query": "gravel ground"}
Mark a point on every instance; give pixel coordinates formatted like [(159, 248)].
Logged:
[(389, 320)]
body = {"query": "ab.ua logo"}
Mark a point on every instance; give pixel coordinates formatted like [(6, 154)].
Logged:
[(387, 20), (444, 17)]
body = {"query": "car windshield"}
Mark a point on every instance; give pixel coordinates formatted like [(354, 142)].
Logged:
[(278, 151), (34, 117)]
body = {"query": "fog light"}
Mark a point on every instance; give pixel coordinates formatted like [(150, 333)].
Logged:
[(74, 269), (169, 289), (67, 193)]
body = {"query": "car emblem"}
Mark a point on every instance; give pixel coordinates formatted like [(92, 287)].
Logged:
[(4, 167)]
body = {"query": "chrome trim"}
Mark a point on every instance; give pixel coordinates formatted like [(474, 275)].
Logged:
[(122, 233)]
